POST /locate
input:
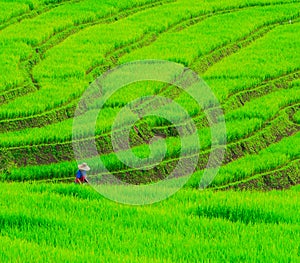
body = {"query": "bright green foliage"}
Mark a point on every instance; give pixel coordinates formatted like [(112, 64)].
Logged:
[(253, 114), (55, 71), (61, 84), (14, 9), (32, 104), (40, 29), (270, 158), (297, 117), (195, 41), (248, 53), (248, 67), (10, 9), (72, 223), (275, 101), (273, 157)]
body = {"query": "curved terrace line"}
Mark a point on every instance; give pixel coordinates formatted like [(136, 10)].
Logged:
[(198, 118), (33, 13), (65, 33), (18, 126)]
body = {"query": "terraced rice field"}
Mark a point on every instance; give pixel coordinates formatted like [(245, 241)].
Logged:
[(248, 54)]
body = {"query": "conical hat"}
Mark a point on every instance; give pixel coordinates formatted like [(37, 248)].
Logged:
[(84, 167)]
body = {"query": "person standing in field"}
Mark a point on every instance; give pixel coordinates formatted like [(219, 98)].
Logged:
[(81, 173)]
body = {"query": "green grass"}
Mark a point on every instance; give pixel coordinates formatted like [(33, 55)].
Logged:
[(241, 122), (253, 114), (74, 224), (297, 117), (54, 71), (248, 67), (270, 158), (11, 9), (273, 157), (15, 9), (247, 52), (31, 33), (197, 40)]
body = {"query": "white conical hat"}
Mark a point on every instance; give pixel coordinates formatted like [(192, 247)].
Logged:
[(84, 167)]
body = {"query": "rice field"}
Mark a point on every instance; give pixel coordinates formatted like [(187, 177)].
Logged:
[(71, 224), (246, 52)]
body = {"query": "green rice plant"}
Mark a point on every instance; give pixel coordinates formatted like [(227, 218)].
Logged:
[(112, 162), (51, 222), (249, 111), (186, 45), (47, 222), (15, 9), (52, 171), (249, 210), (253, 114), (275, 101), (11, 9), (248, 67), (51, 78), (297, 117), (34, 32), (272, 157), (9, 61), (56, 66)]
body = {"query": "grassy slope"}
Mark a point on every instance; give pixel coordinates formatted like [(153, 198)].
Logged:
[(49, 133), (69, 223), (248, 111)]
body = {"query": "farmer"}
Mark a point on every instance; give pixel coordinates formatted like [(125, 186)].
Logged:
[(81, 173)]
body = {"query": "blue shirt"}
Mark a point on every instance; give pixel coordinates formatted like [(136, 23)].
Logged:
[(80, 173)]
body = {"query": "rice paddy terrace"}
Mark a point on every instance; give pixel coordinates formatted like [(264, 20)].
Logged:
[(248, 54)]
